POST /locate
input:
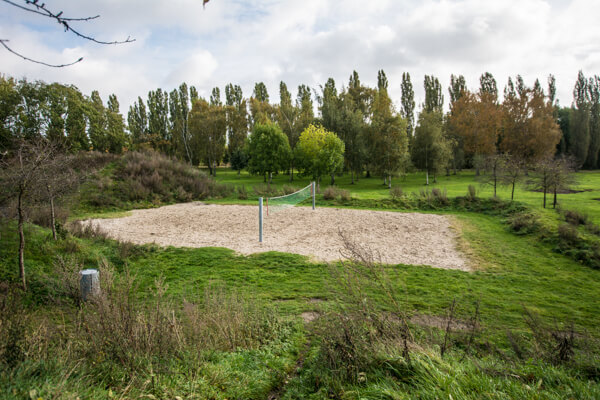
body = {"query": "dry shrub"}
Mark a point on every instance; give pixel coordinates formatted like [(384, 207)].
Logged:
[(227, 321), (41, 215), (568, 234), (396, 192), (471, 193), (264, 190), (86, 230), (330, 193), (344, 195), (440, 196), (524, 222), (13, 323), (116, 326), (242, 193), (288, 189), (576, 218), (353, 334)]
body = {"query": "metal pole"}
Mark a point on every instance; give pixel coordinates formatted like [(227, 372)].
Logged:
[(313, 189), (260, 219)]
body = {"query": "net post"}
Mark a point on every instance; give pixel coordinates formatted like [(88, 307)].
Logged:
[(312, 189), (260, 219)]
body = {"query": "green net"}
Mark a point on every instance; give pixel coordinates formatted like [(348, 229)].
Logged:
[(276, 204)]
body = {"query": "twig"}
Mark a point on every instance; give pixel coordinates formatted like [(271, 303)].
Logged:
[(3, 42)]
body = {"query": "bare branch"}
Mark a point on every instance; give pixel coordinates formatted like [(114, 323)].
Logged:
[(40, 9), (3, 43)]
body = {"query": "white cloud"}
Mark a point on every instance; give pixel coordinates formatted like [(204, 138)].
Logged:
[(305, 42)]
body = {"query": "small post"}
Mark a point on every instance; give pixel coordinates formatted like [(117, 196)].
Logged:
[(89, 283), (260, 219), (313, 190)]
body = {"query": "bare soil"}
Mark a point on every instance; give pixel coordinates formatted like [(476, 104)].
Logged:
[(400, 238)]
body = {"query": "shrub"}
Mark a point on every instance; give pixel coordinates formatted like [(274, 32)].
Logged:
[(576, 218), (471, 193), (242, 194), (344, 195), (440, 196), (568, 234), (524, 223), (330, 193), (264, 190), (396, 192)]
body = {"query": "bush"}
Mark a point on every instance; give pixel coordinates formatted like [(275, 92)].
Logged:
[(344, 195), (242, 194), (575, 217), (396, 192), (471, 193), (441, 197), (524, 223), (568, 234), (330, 193)]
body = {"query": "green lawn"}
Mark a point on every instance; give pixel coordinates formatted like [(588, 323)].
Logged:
[(455, 185)]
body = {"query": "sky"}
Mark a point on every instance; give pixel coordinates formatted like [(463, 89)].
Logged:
[(304, 42)]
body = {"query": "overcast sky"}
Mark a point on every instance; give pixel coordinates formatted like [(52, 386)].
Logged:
[(304, 42)]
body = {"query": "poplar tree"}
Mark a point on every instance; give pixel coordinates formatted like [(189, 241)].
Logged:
[(580, 121), (594, 149), (75, 122), (115, 126), (457, 88), (408, 104), (179, 108), (158, 120), (97, 123), (137, 121), (237, 126), (434, 99), (260, 109), (488, 85)]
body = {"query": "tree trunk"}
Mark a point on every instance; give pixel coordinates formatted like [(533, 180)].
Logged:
[(52, 218), (554, 203), (21, 239), (477, 171), (270, 177), (545, 197), (390, 182), (292, 172), (352, 176), (427, 177), (495, 185), (332, 179), (512, 193)]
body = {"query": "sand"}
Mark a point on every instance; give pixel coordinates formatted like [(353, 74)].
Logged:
[(400, 238)]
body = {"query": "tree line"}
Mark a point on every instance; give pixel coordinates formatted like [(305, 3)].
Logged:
[(526, 126)]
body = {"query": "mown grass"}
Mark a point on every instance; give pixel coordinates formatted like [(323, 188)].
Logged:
[(456, 185)]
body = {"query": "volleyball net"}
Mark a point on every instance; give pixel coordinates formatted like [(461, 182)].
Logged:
[(271, 205)]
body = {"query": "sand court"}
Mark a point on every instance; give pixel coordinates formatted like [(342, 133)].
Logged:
[(407, 238)]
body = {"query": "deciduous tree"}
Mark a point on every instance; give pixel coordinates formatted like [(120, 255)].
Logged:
[(268, 149), (320, 152)]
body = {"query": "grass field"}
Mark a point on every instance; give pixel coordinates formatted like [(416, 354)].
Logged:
[(587, 201), (512, 272)]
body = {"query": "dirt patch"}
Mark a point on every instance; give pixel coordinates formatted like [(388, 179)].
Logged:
[(564, 191), (434, 321), (309, 316), (401, 238)]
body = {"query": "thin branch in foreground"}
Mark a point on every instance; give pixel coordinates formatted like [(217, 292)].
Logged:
[(3, 43), (64, 21)]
